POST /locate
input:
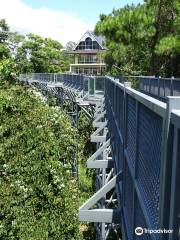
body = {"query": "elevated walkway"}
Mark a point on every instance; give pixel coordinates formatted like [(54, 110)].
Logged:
[(137, 158)]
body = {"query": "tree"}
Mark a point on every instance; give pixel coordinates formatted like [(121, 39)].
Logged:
[(70, 46), (14, 41), (127, 38), (30, 53), (38, 194), (135, 36), (41, 55), (4, 30), (168, 45)]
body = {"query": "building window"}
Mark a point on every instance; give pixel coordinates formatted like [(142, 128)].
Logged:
[(88, 44), (88, 59), (95, 45), (88, 70)]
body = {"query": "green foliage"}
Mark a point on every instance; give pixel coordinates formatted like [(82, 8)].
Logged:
[(14, 42), (86, 176), (169, 45), (86, 149), (30, 53), (38, 195), (8, 69), (41, 55), (142, 39), (85, 130), (4, 29)]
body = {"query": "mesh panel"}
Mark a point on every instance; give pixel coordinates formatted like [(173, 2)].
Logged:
[(148, 165), (59, 77), (131, 129), (161, 87), (141, 84), (120, 110), (81, 82), (176, 87), (128, 208), (115, 152), (146, 84), (167, 87), (116, 107), (120, 155), (75, 81), (176, 203), (140, 222), (99, 84), (154, 86)]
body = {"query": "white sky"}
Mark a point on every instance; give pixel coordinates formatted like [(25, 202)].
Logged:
[(57, 25)]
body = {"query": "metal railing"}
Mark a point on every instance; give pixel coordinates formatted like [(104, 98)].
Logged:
[(88, 84), (145, 137), (160, 88)]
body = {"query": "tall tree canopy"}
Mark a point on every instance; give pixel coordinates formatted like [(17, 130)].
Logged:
[(4, 29), (41, 55), (143, 39), (30, 53)]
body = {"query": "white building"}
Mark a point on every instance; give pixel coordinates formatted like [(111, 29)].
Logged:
[(88, 55)]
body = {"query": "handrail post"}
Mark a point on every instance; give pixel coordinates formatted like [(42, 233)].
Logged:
[(173, 103)]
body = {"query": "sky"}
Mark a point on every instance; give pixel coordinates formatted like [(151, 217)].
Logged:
[(62, 20)]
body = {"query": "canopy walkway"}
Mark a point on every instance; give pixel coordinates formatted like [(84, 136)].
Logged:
[(138, 151)]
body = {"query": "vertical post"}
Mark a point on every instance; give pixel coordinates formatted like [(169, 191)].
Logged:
[(172, 86), (126, 84), (149, 82), (135, 166), (160, 80), (175, 197), (158, 87), (163, 86), (173, 103)]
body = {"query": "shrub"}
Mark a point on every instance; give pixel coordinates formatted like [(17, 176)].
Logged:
[(38, 194), (7, 69)]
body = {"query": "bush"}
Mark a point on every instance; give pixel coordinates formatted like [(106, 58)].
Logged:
[(38, 194), (7, 69)]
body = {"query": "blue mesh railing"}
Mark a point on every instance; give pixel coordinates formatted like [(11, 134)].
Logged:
[(159, 88), (145, 144), (138, 126), (174, 146), (88, 84)]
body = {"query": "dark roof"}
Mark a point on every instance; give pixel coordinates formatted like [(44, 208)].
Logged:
[(99, 39)]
